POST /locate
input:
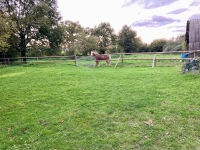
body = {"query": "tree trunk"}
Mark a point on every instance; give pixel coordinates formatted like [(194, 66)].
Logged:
[(23, 54), (23, 47)]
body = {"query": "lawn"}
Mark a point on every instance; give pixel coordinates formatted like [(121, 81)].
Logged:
[(63, 106)]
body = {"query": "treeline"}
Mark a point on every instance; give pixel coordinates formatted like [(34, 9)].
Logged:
[(34, 28)]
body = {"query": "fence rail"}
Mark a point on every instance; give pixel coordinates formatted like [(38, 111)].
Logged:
[(122, 58)]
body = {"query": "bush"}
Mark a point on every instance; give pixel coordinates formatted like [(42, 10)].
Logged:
[(191, 66)]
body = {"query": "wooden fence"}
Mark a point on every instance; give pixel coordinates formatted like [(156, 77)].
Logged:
[(123, 58), (38, 60)]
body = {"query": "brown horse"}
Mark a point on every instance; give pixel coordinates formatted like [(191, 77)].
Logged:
[(100, 57)]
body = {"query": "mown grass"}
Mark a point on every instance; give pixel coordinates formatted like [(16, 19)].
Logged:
[(69, 107)]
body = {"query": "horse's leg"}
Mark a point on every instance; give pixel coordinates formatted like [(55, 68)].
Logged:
[(97, 63), (107, 62)]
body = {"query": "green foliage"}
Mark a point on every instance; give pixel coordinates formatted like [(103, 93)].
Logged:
[(175, 44), (191, 66), (128, 40), (143, 47), (106, 36), (36, 20), (184, 46), (72, 31), (7, 27), (85, 44), (157, 45)]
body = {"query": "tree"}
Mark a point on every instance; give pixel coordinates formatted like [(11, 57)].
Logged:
[(106, 36), (157, 45), (72, 31), (143, 47), (128, 39), (35, 20), (85, 44), (175, 44), (7, 27)]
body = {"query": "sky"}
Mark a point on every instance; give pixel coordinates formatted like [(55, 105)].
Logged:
[(151, 19)]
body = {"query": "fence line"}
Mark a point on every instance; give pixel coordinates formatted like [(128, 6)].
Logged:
[(37, 60), (72, 58)]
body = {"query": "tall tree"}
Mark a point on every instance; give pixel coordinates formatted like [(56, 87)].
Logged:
[(7, 27), (72, 31), (157, 45), (84, 44), (128, 39), (35, 20), (106, 36)]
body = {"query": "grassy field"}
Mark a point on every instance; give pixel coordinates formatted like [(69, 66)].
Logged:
[(68, 107)]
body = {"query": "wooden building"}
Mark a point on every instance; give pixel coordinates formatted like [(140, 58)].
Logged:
[(193, 34)]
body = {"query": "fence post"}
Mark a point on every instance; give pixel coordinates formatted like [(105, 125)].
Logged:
[(54, 61), (5, 61), (75, 57), (37, 61), (194, 54), (154, 61), (8, 61), (122, 59)]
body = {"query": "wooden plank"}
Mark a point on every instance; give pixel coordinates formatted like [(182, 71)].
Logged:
[(193, 31), (196, 30), (191, 46), (190, 30), (118, 61), (199, 29), (154, 61), (196, 45)]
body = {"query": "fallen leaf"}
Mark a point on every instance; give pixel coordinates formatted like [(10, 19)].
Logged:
[(9, 130), (41, 121), (149, 122), (24, 130)]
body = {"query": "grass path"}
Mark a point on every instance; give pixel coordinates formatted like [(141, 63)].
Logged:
[(68, 107)]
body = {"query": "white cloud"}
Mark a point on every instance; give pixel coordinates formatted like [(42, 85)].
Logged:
[(92, 12)]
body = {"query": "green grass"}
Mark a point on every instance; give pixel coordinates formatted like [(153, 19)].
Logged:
[(69, 107)]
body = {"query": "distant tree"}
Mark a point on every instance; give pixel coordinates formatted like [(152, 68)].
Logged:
[(35, 20), (157, 45), (143, 47), (175, 44), (106, 36), (85, 44), (72, 31), (184, 46), (128, 40)]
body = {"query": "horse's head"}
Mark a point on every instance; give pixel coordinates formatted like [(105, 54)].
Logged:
[(93, 53)]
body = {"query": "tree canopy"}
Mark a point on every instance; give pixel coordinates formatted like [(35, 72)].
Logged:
[(128, 40), (7, 28), (106, 35), (36, 20)]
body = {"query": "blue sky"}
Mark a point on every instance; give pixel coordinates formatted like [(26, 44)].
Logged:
[(151, 19)]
